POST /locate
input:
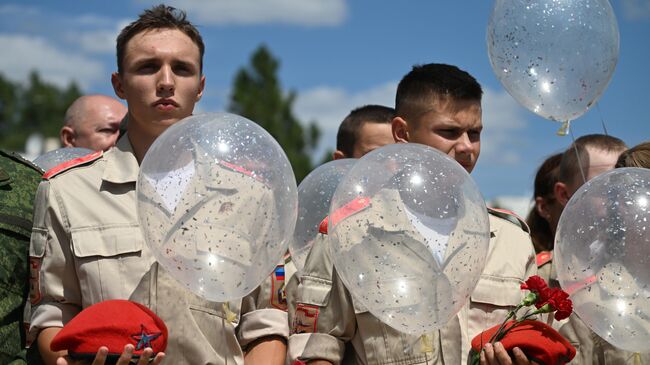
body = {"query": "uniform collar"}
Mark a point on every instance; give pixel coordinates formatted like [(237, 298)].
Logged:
[(121, 165)]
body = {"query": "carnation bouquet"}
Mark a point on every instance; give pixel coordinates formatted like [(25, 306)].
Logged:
[(537, 340)]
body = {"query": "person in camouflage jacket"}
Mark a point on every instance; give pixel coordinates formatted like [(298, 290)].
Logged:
[(19, 179)]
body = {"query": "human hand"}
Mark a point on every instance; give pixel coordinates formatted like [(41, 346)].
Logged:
[(497, 355), (125, 357)]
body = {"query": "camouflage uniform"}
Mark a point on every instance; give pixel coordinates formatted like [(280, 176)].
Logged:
[(18, 182)]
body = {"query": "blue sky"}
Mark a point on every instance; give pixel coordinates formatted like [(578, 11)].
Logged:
[(337, 55)]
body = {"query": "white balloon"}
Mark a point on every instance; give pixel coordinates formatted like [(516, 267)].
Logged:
[(409, 234), (555, 58), (314, 196), (217, 203), (602, 249)]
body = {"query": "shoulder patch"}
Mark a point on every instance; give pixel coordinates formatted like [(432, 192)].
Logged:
[(348, 209), (278, 295), (305, 319), (543, 258), (72, 163), (509, 216)]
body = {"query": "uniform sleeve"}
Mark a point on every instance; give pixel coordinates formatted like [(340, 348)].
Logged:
[(264, 311), (55, 294), (323, 319)]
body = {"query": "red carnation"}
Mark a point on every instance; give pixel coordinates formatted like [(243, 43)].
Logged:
[(564, 310), (538, 286)]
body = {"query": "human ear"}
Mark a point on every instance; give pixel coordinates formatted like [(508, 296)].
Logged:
[(399, 128)]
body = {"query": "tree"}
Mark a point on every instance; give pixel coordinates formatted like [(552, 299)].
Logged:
[(258, 96), (36, 107)]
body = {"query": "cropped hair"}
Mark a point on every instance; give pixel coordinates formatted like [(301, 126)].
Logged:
[(435, 81), (569, 166), (348, 132), (158, 17)]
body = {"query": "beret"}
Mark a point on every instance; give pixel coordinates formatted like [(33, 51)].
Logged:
[(539, 341), (114, 324)]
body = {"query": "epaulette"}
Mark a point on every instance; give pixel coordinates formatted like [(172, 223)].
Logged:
[(242, 171), (510, 216), (65, 166), (343, 212), (543, 258), (322, 228), (581, 284), (18, 158)]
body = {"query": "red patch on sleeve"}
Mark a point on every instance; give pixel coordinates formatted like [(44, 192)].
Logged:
[(305, 319), (34, 280)]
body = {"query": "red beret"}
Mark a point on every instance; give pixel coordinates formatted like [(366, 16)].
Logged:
[(539, 341), (114, 324)]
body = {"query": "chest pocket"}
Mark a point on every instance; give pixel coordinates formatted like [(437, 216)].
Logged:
[(110, 262)]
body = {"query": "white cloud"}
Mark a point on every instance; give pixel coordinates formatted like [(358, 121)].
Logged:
[(246, 12), (636, 9), (503, 117), (54, 65), (101, 41), (327, 106)]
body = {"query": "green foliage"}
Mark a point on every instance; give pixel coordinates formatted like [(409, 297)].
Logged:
[(258, 96), (35, 107)]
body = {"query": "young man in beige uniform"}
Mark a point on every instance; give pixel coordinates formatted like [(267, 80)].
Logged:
[(440, 106), (86, 243)]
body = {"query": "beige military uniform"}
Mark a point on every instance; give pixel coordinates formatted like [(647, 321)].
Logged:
[(87, 247), (324, 317)]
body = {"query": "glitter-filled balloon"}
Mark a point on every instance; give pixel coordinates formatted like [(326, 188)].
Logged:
[(409, 235), (56, 157), (217, 202), (314, 196), (554, 57), (602, 250)]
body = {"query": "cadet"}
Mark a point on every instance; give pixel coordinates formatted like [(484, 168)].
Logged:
[(363, 130), (440, 106), (19, 179), (86, 237)]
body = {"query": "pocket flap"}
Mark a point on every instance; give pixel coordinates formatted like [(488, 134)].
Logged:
[(314, 291), (498, 291), (107, 242)]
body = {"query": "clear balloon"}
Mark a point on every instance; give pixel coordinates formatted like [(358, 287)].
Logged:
[(217, 202), (314, 196), (554, 57), (56, 157), (603, 253), (409, 235)]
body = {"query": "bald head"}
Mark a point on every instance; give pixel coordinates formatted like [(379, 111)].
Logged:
[(92, 121)]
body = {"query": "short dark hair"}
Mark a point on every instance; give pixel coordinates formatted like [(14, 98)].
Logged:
[(540, 230), (158, 17), (637, 156), (434, 80), (569, 166), (349, 129)]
